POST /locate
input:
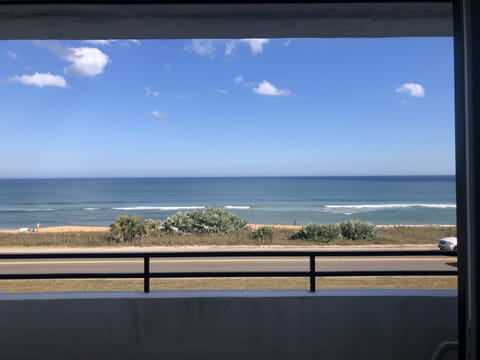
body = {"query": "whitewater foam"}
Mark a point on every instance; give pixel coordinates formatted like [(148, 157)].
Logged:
[(237, 207), (161, 208), (390, 206), (25, 210)]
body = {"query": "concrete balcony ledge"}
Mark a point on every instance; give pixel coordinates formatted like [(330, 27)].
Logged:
[(328, 324), (229, 294)]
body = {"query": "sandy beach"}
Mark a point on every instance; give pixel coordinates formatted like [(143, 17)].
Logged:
[(62, 229), (70, 228)]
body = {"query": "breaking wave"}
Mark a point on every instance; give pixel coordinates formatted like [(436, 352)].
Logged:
[(161, 208), (25, 210), (391, 206)]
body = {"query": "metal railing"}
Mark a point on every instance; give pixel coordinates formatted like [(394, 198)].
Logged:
[(146, 275)]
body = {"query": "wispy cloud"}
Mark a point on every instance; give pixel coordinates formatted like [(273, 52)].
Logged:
[(221, 91), (256, 45), (266, 88), (40, 80), (412, 89), (110, 41), (84, 61), (203, 47), (12, 54), (151, 92), (158, 114), (238, 79), (230, 47), (128, 43), (208, 47), (98, 42)]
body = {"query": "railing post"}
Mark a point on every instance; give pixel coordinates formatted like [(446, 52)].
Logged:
[(312, 273), (146, 274)]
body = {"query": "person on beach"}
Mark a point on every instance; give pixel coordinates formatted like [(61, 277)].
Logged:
[(38, 226)]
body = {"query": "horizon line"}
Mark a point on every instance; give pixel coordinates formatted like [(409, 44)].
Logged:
[(221, 177)]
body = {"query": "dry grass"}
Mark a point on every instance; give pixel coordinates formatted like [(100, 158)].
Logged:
[(413, 234), (385, 235), (399, 282)]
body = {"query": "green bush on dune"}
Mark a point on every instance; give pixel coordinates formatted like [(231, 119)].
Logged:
[(358, 230), (212, 220), (321, 233), (263, 235), (153, 226), (350, 230), (127, 228)]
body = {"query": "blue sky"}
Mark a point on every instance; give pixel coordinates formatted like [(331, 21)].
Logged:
[(246, 107)]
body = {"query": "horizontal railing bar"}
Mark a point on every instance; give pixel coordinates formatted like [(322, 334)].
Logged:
[(208, 274), (227, 274), (194, 254), (71, 276), (387, 273), (303, 273)]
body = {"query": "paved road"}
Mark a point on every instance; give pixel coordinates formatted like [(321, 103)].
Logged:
[(224, 264)]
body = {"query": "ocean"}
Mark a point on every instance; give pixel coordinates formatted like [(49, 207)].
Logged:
[(265, 200)]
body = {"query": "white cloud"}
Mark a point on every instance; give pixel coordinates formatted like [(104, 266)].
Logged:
[(40, 80), (151, 92), (238, 79), (221, 91), (256, 45), (265, 88), (201, 47), (413, 89), (158, 114), (86, 61), (12, 54)]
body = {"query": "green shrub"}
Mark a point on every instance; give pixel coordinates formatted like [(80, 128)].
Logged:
[(152, 226), (210, 221), (127, 228), (358, 230), (322, 233), (263, 235)]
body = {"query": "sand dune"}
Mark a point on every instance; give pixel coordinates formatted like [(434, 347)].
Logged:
[(66, 229)]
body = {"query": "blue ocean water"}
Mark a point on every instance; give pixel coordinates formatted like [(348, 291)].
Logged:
[(268, 200)]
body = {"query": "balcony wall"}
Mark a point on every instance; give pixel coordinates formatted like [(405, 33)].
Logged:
[(348, 324)]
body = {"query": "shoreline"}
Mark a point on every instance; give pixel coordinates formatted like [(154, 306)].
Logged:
[(86, 229)]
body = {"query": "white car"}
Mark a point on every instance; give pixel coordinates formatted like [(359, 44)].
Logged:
[(448, 243)]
